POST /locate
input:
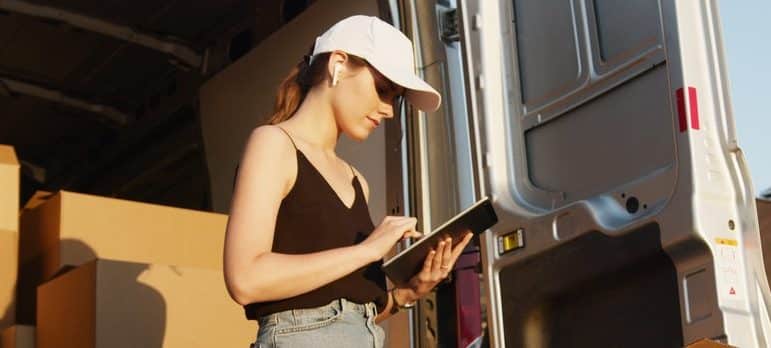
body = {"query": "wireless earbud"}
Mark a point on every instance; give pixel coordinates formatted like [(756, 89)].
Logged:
[(335, 74)]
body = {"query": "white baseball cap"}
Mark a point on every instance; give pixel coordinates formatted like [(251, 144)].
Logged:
[(385, 48)]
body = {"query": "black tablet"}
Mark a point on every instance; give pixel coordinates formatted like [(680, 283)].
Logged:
[(477, 218)]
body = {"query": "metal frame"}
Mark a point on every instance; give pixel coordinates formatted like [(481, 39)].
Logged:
[(180, 52), (24, 88)]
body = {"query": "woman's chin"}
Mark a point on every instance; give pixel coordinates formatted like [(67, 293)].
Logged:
[(362, 137), (358, 135)]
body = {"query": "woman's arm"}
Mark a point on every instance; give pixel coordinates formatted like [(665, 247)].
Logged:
[(272, 276)]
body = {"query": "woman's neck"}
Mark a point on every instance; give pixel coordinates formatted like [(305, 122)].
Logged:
[(314, 121)]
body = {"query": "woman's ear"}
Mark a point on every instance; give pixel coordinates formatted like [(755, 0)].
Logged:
[(336, 66)]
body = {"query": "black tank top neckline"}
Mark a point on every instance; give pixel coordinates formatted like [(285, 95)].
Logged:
[(354, 181)]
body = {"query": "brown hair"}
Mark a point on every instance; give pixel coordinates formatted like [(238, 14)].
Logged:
[(292, 91)]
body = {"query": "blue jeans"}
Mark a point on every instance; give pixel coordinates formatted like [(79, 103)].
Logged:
[(341, 323)]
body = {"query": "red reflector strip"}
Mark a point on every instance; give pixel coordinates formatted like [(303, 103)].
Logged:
[(681, 110), (694, 107)]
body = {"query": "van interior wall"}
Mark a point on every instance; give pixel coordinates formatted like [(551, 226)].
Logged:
[(241, 97)]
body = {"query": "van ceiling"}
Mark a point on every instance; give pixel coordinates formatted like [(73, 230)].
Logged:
[(99, 96)]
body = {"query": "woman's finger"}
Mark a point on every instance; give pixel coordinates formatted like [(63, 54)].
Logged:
[(446, 256), (428, 263), (403, 228), (412, 234), (408, 224), (437, 263), (458, 249)]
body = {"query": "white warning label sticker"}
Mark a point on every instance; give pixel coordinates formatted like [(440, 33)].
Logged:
[(728, 264)]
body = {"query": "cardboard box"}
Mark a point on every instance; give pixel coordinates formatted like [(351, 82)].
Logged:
[(38, 198), (9, 227), (106, 303), (9, 269), (9, 241), (9, 189), (123, 230), (72, 228), (707, 343), (18, 336)]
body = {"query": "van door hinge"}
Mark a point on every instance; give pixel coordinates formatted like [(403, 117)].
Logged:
[(449, 26)]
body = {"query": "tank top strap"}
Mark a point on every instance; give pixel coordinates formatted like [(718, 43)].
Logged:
[(290, 137), (352, 171)]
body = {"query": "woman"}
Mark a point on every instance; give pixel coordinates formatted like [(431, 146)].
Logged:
[(301, 252)]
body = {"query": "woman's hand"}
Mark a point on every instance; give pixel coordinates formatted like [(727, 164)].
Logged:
[(436, 268), (390, 231)]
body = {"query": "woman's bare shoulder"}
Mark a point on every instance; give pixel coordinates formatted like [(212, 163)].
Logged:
[(268, 148), (269, 142), (269, 135)]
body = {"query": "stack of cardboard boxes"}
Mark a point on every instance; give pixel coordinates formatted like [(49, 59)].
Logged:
[(103, 272)]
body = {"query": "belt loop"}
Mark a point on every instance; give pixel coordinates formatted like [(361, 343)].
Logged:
[(341, 301)]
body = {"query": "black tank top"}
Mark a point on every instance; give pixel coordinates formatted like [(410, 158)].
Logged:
[(312, 218)]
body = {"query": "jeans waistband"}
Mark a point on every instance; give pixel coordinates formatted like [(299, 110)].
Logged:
[(294, 316)]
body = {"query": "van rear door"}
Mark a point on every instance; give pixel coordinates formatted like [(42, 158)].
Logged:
[(604, 134)]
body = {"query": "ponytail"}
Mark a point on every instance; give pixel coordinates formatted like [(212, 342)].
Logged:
[(292, 91), (289, 96)]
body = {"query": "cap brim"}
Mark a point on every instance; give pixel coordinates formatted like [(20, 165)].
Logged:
[(422, 95)]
